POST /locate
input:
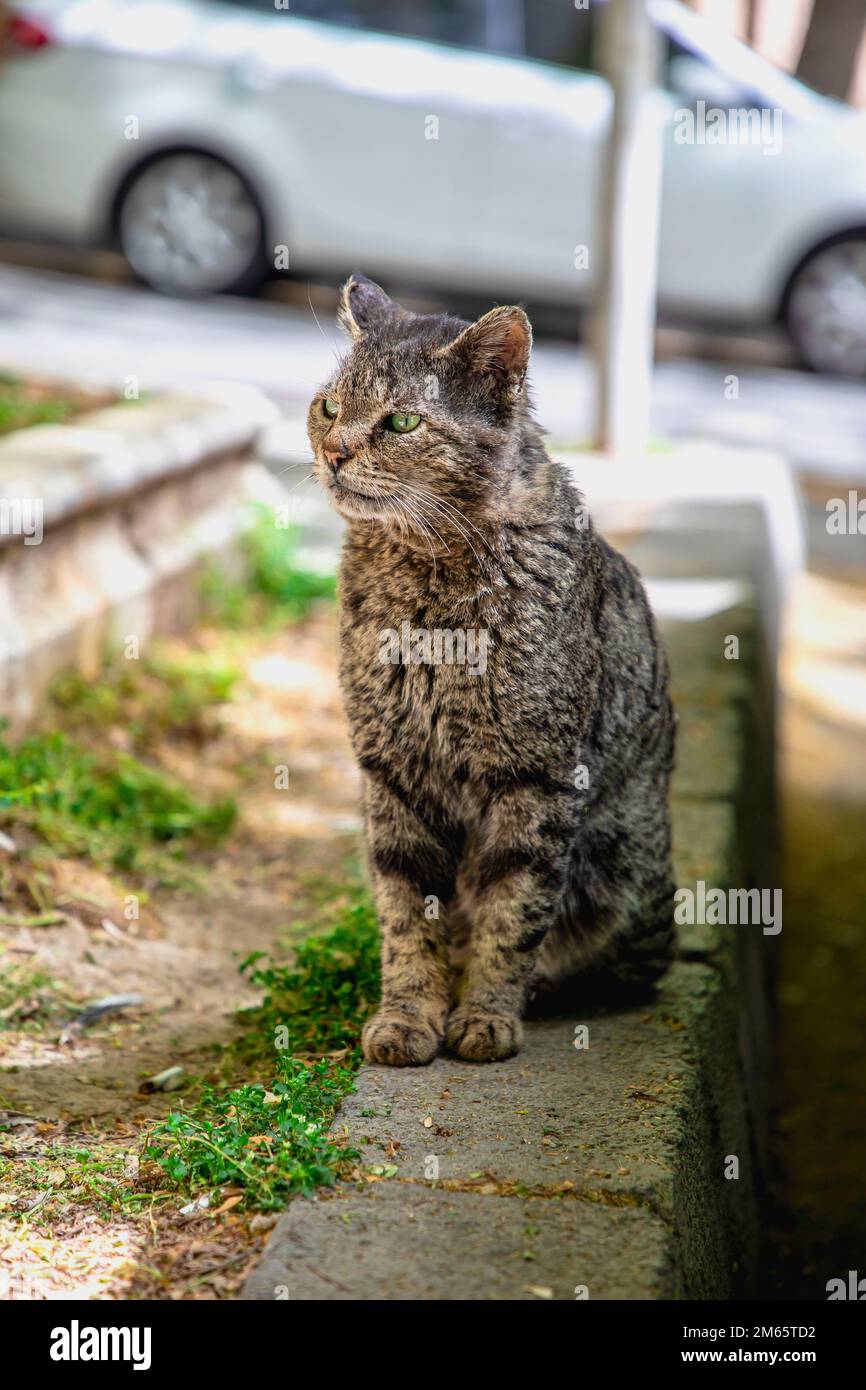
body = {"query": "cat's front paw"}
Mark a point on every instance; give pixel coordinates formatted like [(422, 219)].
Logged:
[(479, 1036), (397, 1039)]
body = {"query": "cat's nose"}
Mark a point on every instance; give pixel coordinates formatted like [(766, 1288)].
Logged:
[(335, 460)]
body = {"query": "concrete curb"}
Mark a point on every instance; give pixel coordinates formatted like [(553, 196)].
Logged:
[(602, 1171), (103, 520)]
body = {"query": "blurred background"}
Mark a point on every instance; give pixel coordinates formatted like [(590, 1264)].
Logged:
[(185, 183), (455, 150)]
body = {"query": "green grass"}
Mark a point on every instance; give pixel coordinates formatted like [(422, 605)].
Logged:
[(29, 999), (94, 1176), (271, 1140), (21, 406), (267, 1141), (323, 997), (108, 807), (154, 696), (274, 589)]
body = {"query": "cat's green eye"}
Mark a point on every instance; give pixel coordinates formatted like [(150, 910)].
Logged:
[(330, 408), (404, 423)]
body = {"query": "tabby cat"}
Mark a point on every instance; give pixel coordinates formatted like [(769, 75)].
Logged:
[(506, 690)]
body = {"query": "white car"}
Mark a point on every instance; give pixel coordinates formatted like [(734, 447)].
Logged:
[(218, 142)]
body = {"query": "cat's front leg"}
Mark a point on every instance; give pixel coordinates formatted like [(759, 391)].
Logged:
[(413, 875), (512, 882)]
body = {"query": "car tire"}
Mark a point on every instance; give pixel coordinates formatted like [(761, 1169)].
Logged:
[(824, 307), (189, 224)]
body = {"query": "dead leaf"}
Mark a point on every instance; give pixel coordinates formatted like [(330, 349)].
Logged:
[(227, 1205), (263, 1221)]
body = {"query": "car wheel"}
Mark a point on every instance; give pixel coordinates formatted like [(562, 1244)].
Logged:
[(825, 307), (188, 224)]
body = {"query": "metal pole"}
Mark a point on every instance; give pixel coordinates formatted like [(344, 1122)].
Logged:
[(624, 318)]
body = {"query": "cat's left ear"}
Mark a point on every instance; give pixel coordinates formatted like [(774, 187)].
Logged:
[(497, 347), (364, 305)]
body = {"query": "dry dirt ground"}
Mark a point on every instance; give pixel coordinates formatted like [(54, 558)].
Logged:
[(291, 851)]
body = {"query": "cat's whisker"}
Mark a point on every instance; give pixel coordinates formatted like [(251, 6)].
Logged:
[(427, 517), (334, 352), (295, 487), (456, 517), (299, 463), (394, 510), (448, 516), (419, 525), (458, 520), (448, 520), (418, 510), (400, 509), (423, 522), (290, 490)]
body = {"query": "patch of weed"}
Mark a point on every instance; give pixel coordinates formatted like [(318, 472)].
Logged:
[(275, 588), (95, 1176), (323, 997), (22, 405), (29, 999), (107, 807), (272, 1140), (160, 694)]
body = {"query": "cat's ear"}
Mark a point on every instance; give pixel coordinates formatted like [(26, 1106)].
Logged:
[(364, 305), (497, 347)]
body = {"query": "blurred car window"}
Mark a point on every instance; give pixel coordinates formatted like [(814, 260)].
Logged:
[(449, 21), (507, 27)]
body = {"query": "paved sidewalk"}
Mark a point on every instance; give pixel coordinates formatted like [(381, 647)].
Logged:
[(555, 1169)]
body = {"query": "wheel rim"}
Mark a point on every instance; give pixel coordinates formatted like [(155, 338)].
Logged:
[(189, 224), (827, 309)]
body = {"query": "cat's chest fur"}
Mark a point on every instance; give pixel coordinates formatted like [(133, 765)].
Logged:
[(453, 677), (415, 663)]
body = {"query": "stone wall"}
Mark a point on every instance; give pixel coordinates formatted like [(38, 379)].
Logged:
[(105, 521)]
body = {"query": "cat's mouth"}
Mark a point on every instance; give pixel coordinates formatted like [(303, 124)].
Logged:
[(354, 500)]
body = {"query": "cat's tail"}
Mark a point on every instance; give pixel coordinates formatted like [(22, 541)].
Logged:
[(626, 971), (642, 954)]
